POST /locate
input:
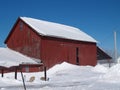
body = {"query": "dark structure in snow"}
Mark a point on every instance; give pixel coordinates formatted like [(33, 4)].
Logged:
[(101, 55), (51, 42)]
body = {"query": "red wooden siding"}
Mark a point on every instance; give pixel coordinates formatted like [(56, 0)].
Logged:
[(25, 40), (56, 51)]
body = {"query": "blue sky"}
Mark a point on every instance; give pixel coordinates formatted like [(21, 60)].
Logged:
[(98, 18)]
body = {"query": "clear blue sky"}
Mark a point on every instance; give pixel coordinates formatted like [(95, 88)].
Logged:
[(98, 18)]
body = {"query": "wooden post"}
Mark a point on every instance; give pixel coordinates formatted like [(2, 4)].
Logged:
[(45, 74), (109, 63), (2, 70), (23, 79), (15, 72)]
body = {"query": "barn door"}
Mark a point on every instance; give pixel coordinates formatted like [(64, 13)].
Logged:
[(77, 55)]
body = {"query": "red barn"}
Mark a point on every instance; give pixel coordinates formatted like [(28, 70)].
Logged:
[(51, 42)]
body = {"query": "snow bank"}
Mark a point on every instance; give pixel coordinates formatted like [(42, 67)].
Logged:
[(113, 73), (60, 67), (9, 81), (67, 76), (100, 68)]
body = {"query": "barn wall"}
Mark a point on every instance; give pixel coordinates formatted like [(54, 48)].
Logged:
[(55, 51), (24, 40)]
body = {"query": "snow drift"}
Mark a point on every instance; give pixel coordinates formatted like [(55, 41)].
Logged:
[(100, 68), (113, 73), (67, 76)]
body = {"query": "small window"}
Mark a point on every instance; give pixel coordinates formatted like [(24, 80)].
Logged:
[(21, 25), (27, 69)]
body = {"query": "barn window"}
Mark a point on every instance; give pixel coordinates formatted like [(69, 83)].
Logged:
[(21, 25), (27, 69)]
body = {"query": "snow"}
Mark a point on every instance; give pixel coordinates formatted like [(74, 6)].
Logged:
[(10, 58), (60, 67), (114, 73), (118, 60), (100, 68), (67, 76), (46, 28)]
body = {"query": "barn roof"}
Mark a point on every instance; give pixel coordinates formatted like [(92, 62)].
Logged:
[(10, 58), (46, 28)]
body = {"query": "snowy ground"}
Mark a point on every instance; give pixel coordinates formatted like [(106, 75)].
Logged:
[(67, 77)]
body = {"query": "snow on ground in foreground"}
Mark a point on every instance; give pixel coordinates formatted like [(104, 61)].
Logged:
[(66, 76)]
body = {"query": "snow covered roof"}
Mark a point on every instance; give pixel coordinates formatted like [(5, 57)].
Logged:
[(10, 58), (46, 28)]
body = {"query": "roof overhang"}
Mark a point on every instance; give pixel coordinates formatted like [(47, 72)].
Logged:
[(102, 55)]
